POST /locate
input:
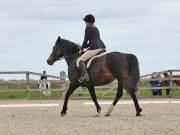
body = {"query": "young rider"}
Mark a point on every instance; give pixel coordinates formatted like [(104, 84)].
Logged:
[(44, 77), (92, 42)]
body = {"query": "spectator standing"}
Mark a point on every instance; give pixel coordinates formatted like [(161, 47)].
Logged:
[(167, 83), (154, 85)]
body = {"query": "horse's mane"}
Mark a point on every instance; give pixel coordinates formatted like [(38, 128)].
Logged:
[(69, 42), (65, 41), (71, 47)]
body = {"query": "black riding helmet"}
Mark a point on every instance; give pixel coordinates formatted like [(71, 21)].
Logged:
[(44, 71), (89, 18)]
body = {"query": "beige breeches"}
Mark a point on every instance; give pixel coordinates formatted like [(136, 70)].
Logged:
[(87, 55)]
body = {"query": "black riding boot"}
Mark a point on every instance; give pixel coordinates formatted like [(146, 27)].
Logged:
[(84, 73)]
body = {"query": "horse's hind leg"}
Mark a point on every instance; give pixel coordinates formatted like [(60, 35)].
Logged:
[(131, 86), (136, 104), (118, 96)]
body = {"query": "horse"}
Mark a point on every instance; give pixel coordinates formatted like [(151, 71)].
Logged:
[(115, 65), (44, 87), (177, 82)]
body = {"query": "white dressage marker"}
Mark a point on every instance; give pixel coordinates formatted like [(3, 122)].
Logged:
[(27, 105), (140, 102), (90, 103), (175, 102)]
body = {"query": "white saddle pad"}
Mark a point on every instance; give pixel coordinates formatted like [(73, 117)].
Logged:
[(97, 56)]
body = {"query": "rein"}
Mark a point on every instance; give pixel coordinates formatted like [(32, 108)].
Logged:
[(66, 56)]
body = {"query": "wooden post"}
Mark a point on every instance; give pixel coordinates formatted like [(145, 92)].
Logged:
[(171, 84), (63, 90), (63, 75), (27, 85)]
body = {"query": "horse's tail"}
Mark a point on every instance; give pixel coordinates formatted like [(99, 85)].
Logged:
[(134, 74), (133, 65)]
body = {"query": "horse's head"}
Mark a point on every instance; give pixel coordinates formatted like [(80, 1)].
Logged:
[(57, 52), (63, 48)]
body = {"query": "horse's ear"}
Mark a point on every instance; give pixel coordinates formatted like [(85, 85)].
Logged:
[(59, 38)]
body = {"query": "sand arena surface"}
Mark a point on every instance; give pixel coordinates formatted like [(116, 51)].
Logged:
[(157, 119)]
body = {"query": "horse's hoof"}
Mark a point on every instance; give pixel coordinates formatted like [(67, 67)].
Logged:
[(63, 113), (140, 110), (107, 114), (138, 114), (98, 114)]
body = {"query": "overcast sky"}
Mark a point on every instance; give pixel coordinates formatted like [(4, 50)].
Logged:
[(148, 28)]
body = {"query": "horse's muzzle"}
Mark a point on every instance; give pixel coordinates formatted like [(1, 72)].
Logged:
[(50, 61)]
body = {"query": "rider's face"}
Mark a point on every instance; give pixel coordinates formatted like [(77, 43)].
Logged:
[(87, 23)]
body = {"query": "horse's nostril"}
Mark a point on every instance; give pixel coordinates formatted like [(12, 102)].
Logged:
[(48, 62)]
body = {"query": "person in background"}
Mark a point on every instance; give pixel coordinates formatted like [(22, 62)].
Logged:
[(167, 83), (44, 77), (160, 84), (154, 83)]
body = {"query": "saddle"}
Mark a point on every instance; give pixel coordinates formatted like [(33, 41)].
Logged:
[(100, 54)]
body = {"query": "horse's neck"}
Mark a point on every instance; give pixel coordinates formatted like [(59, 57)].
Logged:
[(70, 57), (71, 61)]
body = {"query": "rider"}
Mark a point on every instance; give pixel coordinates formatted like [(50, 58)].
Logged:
[(44, 77), (92, 42)]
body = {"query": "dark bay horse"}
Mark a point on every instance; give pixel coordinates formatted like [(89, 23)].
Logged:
[(103, 70), (177, 82)]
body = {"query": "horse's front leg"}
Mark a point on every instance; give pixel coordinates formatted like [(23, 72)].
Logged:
[(94, 98), (72, 87)]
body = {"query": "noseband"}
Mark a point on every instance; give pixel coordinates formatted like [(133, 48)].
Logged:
[(67, 56)]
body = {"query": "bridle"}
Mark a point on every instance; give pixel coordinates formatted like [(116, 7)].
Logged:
[(67, 56)]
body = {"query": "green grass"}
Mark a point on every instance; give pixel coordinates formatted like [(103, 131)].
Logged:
[(18, 91), (23, 94), (16, 86), (101, 94), (11, 95)]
